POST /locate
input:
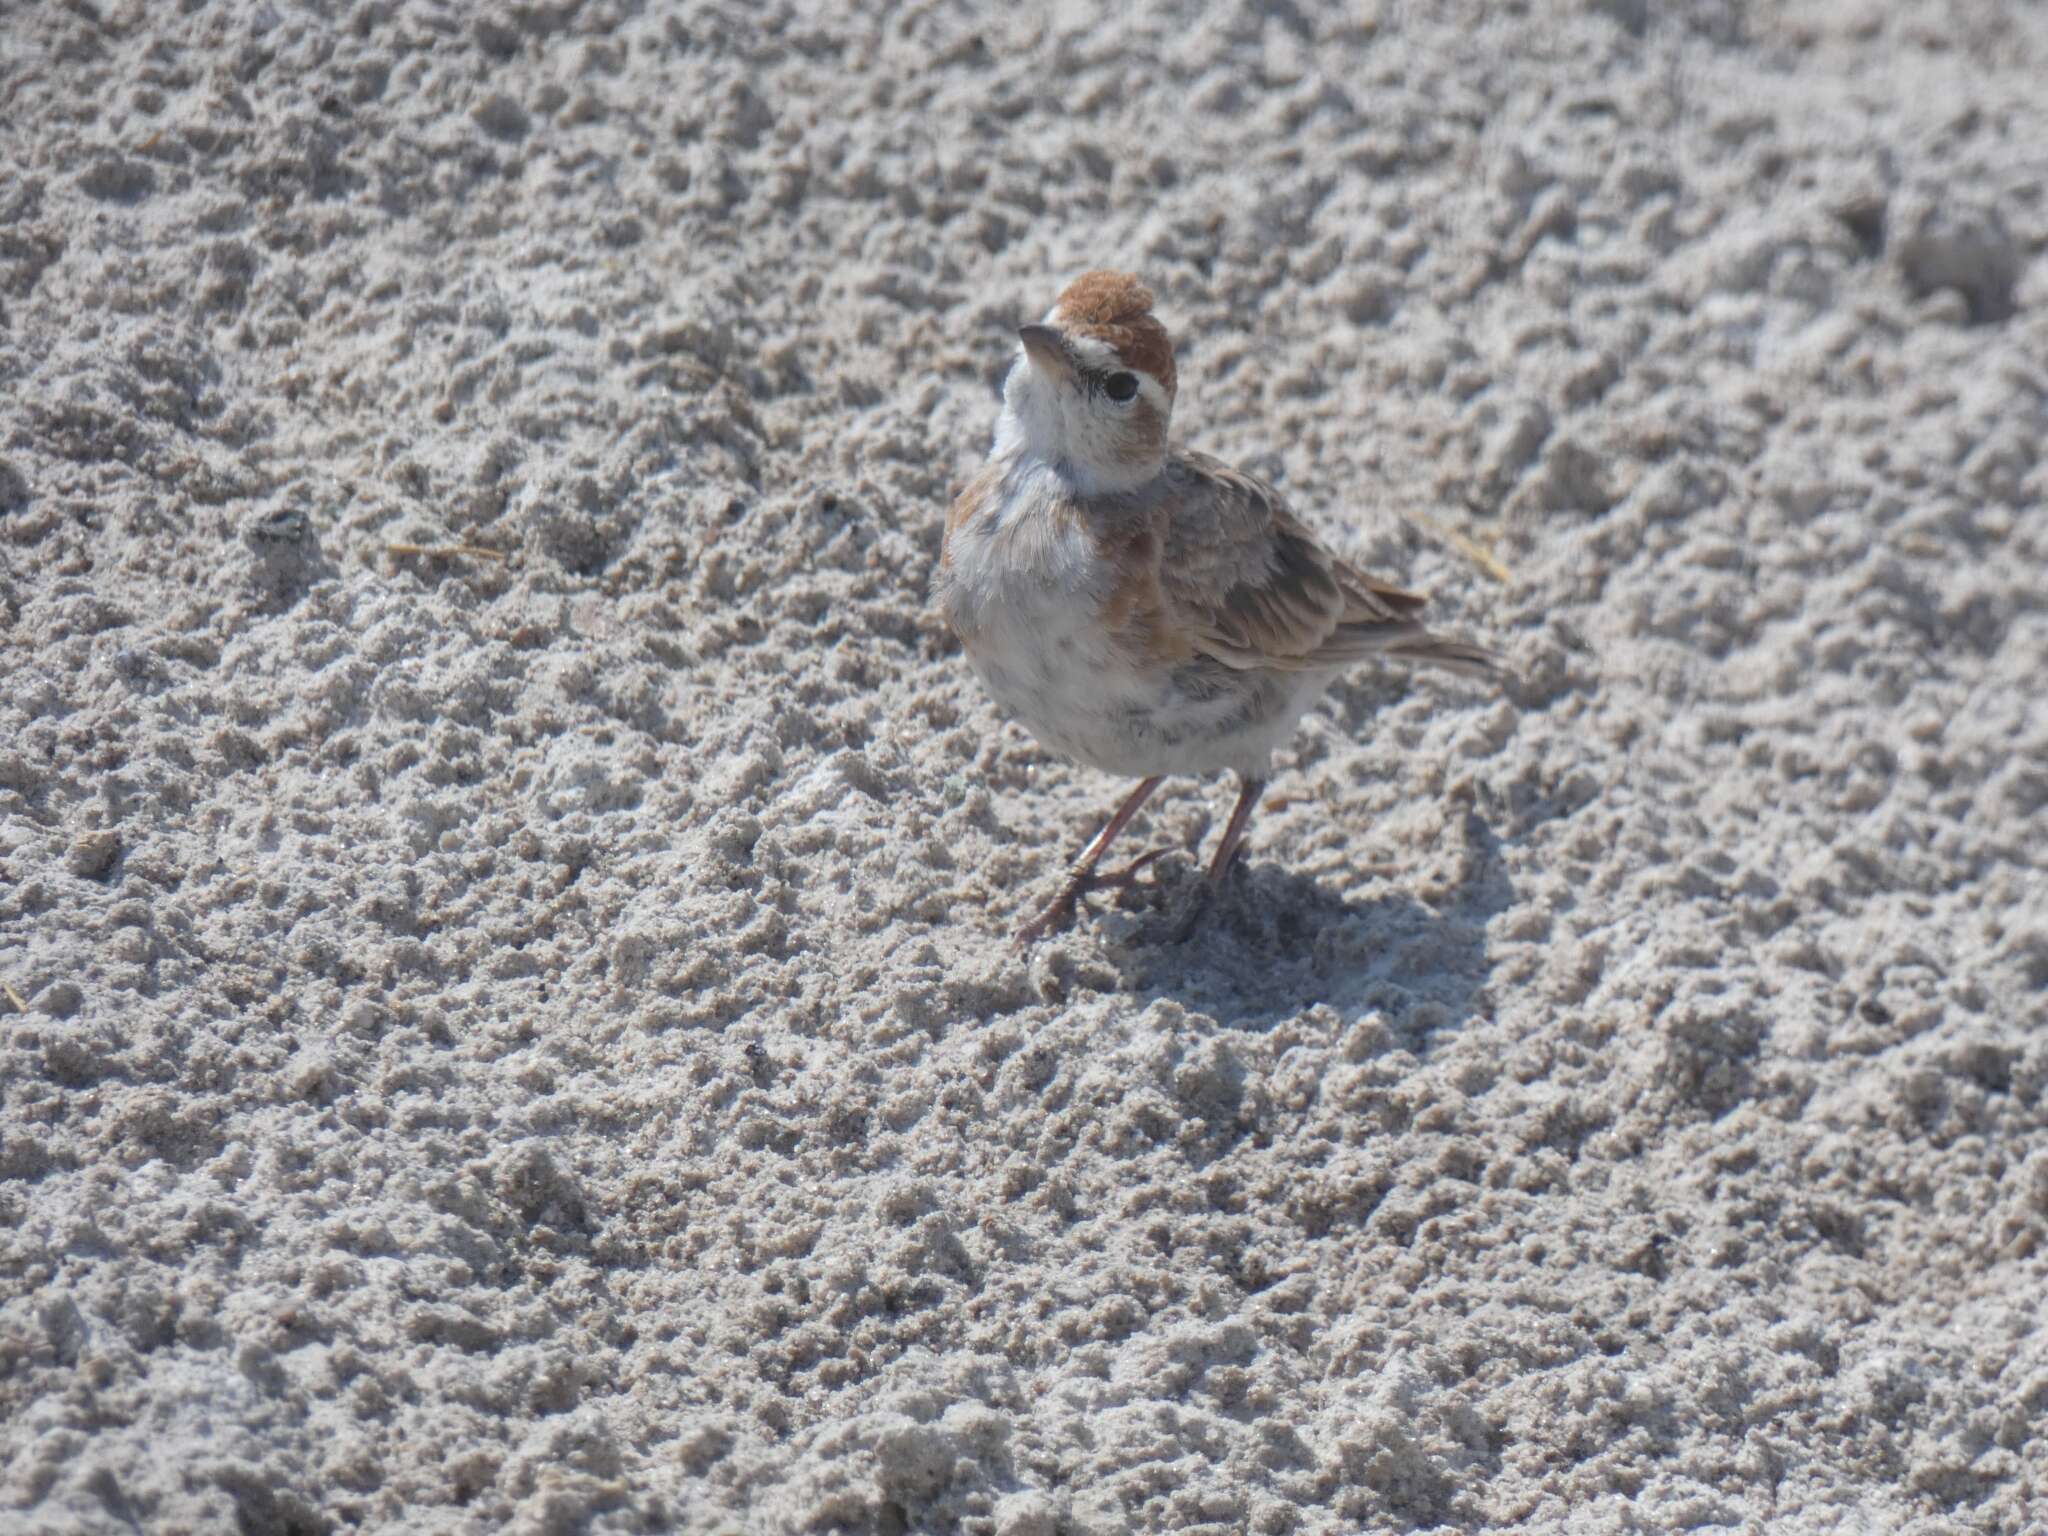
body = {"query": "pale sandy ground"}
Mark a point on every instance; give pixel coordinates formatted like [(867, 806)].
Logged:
[(530, 1044)]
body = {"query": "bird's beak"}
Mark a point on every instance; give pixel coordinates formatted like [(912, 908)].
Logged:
[(1047, 350)]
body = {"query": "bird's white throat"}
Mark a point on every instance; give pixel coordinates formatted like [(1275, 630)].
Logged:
[(1041, 420)]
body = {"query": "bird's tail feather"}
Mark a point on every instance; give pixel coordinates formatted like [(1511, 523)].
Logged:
[(1453, 655), (1402, 640)]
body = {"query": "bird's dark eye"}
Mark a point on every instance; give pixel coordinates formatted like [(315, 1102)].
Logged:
[(1121, 387)]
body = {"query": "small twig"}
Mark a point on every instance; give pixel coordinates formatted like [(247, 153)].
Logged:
[(14, 997), (1465, 545), (445, 551)]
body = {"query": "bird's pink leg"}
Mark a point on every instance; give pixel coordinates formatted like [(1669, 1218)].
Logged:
[(1081, 877), (1226, 852)]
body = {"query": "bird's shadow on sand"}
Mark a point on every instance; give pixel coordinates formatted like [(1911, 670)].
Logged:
[(1273, 943)]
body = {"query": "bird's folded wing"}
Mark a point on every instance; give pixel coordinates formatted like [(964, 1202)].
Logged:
[(1240, 572)]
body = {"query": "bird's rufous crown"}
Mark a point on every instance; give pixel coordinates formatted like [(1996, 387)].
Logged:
[(1116, 308)]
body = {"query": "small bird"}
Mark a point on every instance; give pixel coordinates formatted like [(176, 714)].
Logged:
[(1142, 608)]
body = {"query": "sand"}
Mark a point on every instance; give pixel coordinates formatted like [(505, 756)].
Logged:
[(522, 1036)]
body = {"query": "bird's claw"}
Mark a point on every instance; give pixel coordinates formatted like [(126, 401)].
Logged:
[(1060, 910), (1127, 874)]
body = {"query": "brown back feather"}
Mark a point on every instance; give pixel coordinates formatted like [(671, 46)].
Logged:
[(1243, 573)]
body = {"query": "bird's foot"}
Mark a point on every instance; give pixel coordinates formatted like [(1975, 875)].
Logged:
[(1204, 896), (1191, 919), (1060, 910)]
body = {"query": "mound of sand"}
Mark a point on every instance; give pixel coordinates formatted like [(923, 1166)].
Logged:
[(522, 1036)]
